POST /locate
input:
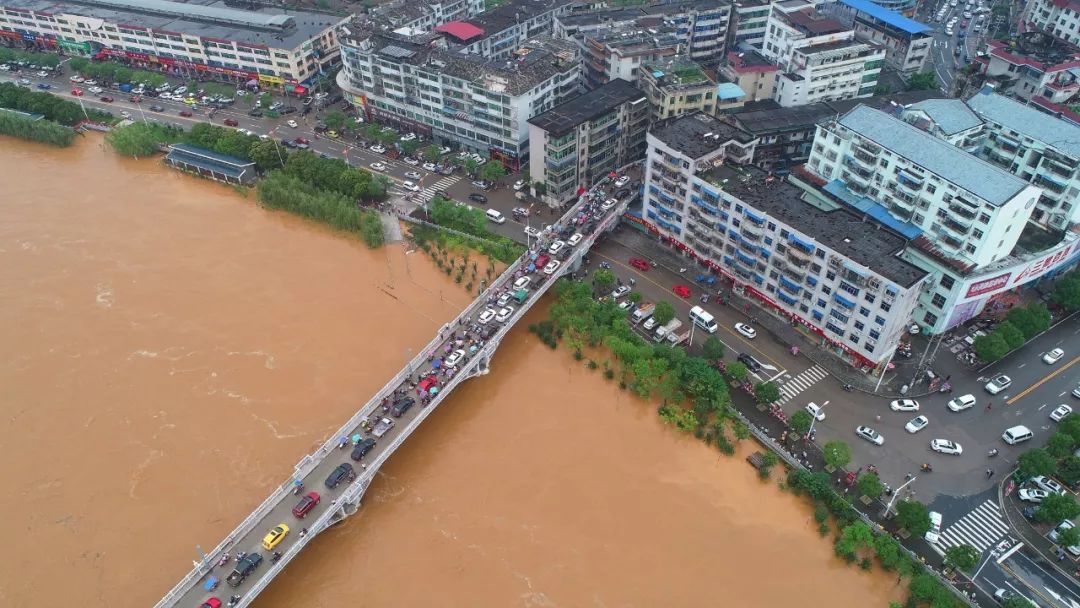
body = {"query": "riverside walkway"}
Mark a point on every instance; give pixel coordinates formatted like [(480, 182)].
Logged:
[(338, 503)]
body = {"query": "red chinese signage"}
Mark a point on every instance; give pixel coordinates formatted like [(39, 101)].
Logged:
[(977, 289), (1014, 279)]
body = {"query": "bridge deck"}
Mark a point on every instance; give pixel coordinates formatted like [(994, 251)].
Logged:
[(342, 501)]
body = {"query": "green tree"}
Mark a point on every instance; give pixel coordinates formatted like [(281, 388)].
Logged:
[(766, 392), (492, 171), (1060, 445), (431, 153), (913, 516), (267, 154), (962, 557), (634, 297), (1031, 320), (1036, 462), (1069, 537), (78, 64), (737, 372), (888, 551), (335, 119), (800, 422), (1057, 507), (470, 166), (836, 453), (870, 486), (923, 81), (991, 347), (1016, 601), (141, 139), (713, 349), (371, 230), (1070, 425), (1010, 334), (853, 539), (409, 147), (1067, 291), (604, 280), (1069, 470), (664, 312)]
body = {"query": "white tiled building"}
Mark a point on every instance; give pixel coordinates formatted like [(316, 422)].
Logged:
[(817, 267), (1058, 17)]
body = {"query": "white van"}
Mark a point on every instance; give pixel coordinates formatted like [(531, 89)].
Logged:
[(1017, 434), (703, 319), (494, 216)]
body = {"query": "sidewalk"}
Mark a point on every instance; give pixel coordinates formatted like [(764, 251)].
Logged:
[(1032, 537), (811, 346)]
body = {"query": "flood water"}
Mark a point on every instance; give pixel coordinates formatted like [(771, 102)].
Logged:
[(171, 350)]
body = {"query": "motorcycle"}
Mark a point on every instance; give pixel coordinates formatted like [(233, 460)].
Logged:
[(298, 486), (234, 600), (849, 388), (926, 468), (344, 441), (275, 557), (992, 453), (224, 559)]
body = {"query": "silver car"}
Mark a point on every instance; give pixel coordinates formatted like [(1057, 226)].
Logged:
[(870, 435)]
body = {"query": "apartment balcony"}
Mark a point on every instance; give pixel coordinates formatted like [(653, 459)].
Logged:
[(795, 273), (798, 257), (748, 248), (909, 182), (751, 232), (958, 227), (1050, 183), (950, 240), (963, 211), (869, 161)]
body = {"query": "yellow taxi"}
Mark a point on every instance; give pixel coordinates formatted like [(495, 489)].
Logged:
[(190, 101), (275, 536)]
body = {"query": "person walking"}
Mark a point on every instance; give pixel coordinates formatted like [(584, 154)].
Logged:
[(989, 473), (989, 406)]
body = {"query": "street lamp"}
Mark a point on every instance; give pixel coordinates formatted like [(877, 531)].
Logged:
[(813, 419), (888, 507)]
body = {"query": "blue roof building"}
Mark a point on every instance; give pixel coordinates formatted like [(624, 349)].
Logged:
[(907, 42), (207, 163)]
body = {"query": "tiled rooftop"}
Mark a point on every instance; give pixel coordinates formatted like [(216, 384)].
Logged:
[(687, 134), (950, 115), (563, 118), (1062, 135)]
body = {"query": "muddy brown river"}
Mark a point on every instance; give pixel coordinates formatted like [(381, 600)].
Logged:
[(171, 350)]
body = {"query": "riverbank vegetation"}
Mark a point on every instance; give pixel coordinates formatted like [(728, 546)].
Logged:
[(279, 190), (141, 139), (14, 97), (467, 222), (110, 72), (41, 131), (457, 257)]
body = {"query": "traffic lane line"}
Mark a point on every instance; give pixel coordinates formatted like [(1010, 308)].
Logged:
[(1005, 567), (729, 331), (1043, 381)]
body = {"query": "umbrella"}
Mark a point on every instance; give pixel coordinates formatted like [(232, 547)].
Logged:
[(437, 363), (356, 438), (434, 390), (447, 348)]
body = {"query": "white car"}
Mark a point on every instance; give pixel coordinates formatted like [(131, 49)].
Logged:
[(904, 405), (625, 305), (815, 411), (961, 403), (412, 175), (945, 446), (620, 291), (935, 527), (444, 150), (411, 187), (1053, 356), (454, 358), (622, 181), (292, 124), (533, 232), (609, 204), (649, 323), (519, 184), (485, 316), (522, 283), (1050, 485), (377, 166), (916, 424), (412, 161), (556, 247), (377, 149), (92, 82), (870, 435), (504, 314), (574, 240), (998, 384), (747, 332), (1060, 412), (430, 167), (77, 78), (1034, 495), (180, 90), (552, 267), (408, 137), (96, 90), (125, 114)]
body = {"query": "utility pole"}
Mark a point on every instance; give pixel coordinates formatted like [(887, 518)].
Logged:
[(896, 493)]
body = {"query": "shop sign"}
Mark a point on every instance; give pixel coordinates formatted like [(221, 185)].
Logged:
[(271, 79)]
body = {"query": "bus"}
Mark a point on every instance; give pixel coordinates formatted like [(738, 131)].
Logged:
[(703, 319)]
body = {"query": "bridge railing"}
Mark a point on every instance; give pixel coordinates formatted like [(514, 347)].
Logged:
[(309, 462)]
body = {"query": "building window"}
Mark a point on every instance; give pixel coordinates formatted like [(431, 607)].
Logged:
[(938, 300), (859, 325), (930, 318), (984, 218), (826, 290), (830, 275), (879, 320), (869, 297), (864, 311), (875, 334), (853, 338), (885, 306)]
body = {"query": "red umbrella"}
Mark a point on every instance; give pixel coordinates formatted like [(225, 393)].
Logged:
[(681, 290)]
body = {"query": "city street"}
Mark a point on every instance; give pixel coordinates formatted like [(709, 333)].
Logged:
[(1026, 576)]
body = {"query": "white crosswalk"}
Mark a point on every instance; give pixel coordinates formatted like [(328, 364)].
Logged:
[(429, 193), (981, 528), (804, 380)]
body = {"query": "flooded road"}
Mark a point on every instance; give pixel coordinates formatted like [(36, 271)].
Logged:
[(172, 350)]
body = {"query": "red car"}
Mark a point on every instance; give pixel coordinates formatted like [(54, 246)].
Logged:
[(185, 113), (212, 602), (681, 290), (301, 140), (427, 383), (639, 263), (542, 260), (135, 99), (231, 122), (306, 504), (77, 92), (106, 99)]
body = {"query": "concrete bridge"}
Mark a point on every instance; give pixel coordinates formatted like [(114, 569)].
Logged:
[(339, 503)]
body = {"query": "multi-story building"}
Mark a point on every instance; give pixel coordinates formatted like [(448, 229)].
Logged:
[(904, 7), (577, 24), (1037, 147), (576, 143), (1034, 65), (276, 48), (495, 34), (749, 24), (449, 96), (702, 24), (1058, 17), (817, 267), (752, 72), (609, 55), (845, 69), (410, 16), (962, 213), (677, 86), (907, 43), (948, 119), (797, 23)]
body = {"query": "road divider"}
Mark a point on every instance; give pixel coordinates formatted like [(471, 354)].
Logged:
[(1043, 381)]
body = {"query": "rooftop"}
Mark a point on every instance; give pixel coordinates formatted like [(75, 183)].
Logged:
[(629, 40), (1062, 135), (884, 15), (598, 17), (696, 135), (675, 8), (813, 23), (565, 117), (512, 13), (761, 118), (675, 72), (1037, 49), (269, 27), (875, 247), (749, 61), (950, 115), (969, 172), (460, 30)]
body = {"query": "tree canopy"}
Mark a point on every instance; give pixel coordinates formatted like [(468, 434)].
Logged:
[(913, 516)]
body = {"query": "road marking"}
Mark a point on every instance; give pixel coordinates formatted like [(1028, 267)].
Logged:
[(1045, 379), (1041, 407), (982, 528), (1021, 366), (802, 382)]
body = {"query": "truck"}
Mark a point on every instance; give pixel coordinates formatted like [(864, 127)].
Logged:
[(643, 312), (676, 338), (382, 427), (662, 332), (244, 568)]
